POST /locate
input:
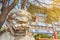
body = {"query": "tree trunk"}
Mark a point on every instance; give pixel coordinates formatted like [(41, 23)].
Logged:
[(5, 10)]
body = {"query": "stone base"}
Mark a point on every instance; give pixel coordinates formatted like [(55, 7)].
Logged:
[(8, 36)]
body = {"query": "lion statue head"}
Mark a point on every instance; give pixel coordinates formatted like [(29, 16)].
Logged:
[(18, 20)]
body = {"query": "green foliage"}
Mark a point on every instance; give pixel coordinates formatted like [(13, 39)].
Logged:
[(58, 37), (16, 1), (34, 9), (2, 29), (41, 36)]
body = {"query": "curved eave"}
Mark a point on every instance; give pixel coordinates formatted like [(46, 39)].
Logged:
[(41, 31), (38, 24)]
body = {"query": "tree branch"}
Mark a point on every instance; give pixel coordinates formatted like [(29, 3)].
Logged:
[(23, 4), (42, 2), (13, 4), (4, 3), (42, 5)]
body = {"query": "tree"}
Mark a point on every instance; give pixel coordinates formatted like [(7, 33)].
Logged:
[(53, 12), (5, 10)]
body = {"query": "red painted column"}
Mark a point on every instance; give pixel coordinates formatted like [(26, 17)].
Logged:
[(55, 35)]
